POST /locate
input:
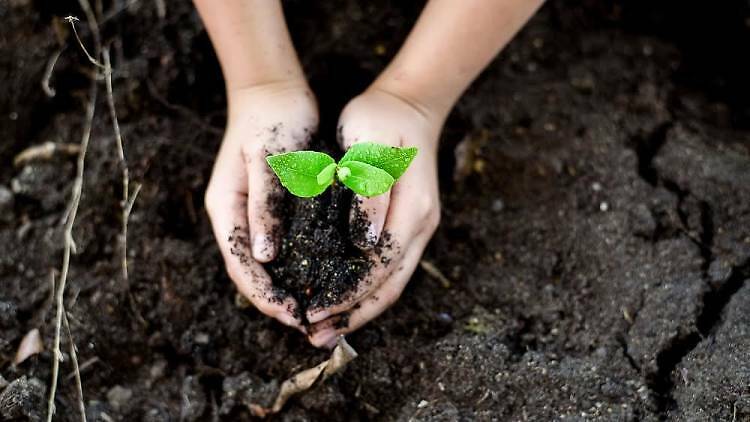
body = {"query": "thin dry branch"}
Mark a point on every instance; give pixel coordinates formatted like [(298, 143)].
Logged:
[(72, 211), (72, 20), (45, 151), (76, 370), (128, 200), (48, 73), (68, 244)]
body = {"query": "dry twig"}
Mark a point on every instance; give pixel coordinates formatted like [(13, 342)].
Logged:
[(435, 273), (48, 72), (68, 244), (128, 199), (76, 370), (72, 20), (45, 152)]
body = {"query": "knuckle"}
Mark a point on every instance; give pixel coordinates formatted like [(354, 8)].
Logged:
[(428, 210), (209, 202), (433, 219)]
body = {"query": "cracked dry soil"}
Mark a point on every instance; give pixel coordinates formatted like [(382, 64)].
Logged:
[(598, 243)]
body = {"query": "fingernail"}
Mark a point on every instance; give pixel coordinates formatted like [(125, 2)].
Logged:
[(287, 319), (314, 317), (262, 248), (373, 233)]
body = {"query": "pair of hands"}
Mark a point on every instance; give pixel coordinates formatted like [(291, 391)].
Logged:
[(281, 117)]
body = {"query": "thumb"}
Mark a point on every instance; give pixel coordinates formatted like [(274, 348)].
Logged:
[(263, 206), (367, 216)]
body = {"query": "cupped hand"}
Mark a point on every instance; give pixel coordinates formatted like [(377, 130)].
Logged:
[(242, 193), (399, 223)]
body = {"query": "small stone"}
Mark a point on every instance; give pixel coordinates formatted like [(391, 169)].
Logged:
[(7, 202), (193, 399), (719, 272), (445, 318), (422, 404), (8, 311), (643, 222), (23, 398), (604, 206), (498, 205), (158, 369), (119, 396), (202, 338), (596, 186)]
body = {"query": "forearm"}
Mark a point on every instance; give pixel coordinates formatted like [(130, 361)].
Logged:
[(449, 46), (251, 41)]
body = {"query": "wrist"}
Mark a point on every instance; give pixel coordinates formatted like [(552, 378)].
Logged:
[(239, 97), (431, 109)]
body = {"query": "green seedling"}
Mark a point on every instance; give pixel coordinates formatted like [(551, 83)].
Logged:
[(368, 169)]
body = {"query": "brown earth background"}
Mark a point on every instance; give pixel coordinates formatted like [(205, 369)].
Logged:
[(595, 230)]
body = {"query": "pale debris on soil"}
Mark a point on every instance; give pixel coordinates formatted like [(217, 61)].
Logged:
[(31, 344), (302, 381)]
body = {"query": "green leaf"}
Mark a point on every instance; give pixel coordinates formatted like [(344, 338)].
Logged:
[(325, 177), (364, 179), (393, 160), (298, 171)]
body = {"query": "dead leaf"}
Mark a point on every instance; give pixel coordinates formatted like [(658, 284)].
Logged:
[(31, 344), (342, 354)]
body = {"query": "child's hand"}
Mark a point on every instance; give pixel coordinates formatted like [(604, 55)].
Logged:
[(402, 220), (262, 120)]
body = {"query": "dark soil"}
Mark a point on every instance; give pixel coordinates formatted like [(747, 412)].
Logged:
[(596, 238), (318, 264)]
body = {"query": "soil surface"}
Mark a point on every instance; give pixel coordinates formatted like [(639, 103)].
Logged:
[(595, 232)]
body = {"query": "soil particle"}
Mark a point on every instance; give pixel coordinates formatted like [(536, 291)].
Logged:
[(118, 396), (6, 204), (193, 399), (23, 398), (245, 389)]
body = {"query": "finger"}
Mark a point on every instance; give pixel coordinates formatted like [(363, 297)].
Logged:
[(368, 215), (264, 199), (226, 203), (325, 330), (408, 215), (367, 218), (325, 333)]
